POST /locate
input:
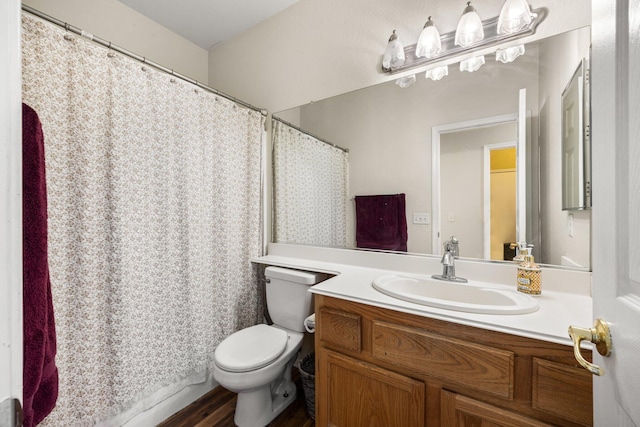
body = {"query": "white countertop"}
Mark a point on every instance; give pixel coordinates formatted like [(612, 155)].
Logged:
[(557, 310)]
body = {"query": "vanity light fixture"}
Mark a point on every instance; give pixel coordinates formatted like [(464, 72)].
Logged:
[(472, 64), (437, 73), (514, 16), (509, 54), (406, 81), (394, 55), (470, 30), (429, 43), (516, 20)]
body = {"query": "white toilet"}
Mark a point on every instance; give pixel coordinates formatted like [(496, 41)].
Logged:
[(256, 362)]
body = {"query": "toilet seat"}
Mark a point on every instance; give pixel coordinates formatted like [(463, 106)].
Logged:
[(251, 348)]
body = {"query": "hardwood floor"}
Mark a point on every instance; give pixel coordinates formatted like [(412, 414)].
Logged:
[(216, 409)]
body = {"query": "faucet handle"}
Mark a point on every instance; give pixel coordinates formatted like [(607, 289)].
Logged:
[(452, 245)]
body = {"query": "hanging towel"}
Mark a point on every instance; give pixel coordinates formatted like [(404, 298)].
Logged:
[(40, 374), (381, 222)]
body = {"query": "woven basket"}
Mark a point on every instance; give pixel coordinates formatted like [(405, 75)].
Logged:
[(307, 370)]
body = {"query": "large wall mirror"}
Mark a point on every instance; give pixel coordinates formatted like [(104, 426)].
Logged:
[(390, 133)]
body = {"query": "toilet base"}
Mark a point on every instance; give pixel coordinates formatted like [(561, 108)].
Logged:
[(258, 407)]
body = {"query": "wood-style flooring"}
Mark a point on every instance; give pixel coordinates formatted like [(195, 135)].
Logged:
[(217, 408)]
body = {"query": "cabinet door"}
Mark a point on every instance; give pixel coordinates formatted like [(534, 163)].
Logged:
[(457, 410), (563, 391), (352, 393)]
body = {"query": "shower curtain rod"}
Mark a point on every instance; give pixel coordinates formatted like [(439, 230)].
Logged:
[(346, 150), (139, 58)]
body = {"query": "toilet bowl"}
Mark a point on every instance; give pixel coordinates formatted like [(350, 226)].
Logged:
[(263, 391), (256, 362)]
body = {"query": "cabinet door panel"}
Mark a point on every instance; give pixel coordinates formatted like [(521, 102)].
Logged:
[(561, 390), (458, 410), (358, 394)]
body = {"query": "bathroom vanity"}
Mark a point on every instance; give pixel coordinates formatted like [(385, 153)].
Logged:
[(384, 361), (380, 367)]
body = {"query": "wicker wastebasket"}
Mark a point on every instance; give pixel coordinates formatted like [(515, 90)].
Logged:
[(307, 370)]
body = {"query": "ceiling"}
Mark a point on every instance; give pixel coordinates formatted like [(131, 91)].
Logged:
[(208, 22)]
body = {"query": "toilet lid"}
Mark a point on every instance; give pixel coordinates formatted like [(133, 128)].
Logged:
[(251, 348)]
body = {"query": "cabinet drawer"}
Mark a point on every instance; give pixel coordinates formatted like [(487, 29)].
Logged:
[(472, 365), (562, 390), (341, 329)]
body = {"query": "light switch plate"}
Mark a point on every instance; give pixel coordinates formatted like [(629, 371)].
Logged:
[(570, 225), (421, 218)]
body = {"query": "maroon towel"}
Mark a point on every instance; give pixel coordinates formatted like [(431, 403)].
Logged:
[(40, 373), (381, 222)]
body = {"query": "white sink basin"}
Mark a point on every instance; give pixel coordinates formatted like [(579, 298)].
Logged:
[(471, 297)]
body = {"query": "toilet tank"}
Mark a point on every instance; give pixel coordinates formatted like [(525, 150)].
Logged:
[(289, 301)]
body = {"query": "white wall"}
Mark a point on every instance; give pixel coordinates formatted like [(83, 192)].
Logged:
[(123, 26), (557, 65), (317, 49)]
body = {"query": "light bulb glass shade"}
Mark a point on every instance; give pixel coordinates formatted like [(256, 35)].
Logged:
[(394, 53), (437, 73), (470, 28), (472, 64), (406, 81), (509, 54), (514, 16), (429, 43)]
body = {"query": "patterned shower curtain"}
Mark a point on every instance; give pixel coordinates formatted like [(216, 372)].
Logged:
[(310, 189), (154, 213)]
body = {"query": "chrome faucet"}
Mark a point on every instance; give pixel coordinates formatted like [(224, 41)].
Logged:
[(453, 246), (451, 251)]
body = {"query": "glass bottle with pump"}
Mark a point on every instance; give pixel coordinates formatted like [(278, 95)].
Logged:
[(529, 275)]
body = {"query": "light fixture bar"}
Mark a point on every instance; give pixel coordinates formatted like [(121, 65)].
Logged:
[(449, 49)]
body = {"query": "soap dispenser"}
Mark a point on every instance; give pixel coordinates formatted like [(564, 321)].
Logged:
[(522, 248), (529, 275)]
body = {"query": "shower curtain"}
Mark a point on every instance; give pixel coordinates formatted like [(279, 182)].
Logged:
[(154, 193), (310, 189)]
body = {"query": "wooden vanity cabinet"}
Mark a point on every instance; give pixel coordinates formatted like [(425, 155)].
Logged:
[(379, 367)]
